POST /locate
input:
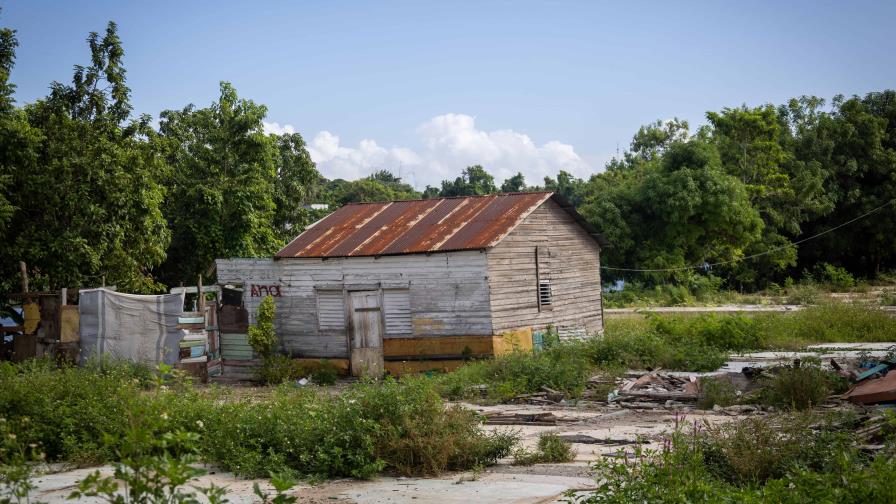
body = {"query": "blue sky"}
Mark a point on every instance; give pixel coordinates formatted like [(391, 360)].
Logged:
[(433, 86)]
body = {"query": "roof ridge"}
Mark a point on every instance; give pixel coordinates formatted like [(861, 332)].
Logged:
[(515, 193)]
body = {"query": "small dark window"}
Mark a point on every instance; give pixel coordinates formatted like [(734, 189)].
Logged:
[(544, 292)]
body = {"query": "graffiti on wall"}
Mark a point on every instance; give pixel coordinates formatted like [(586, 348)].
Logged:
[(265, 290)]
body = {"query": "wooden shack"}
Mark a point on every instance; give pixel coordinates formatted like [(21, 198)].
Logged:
[(415, 285)]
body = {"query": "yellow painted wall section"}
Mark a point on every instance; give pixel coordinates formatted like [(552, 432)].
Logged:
[(399, 368), (341, 364), (32, 317), (510, 341), (70, 331), (439, 345)]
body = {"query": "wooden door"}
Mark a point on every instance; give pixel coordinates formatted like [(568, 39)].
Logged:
[(367, 333)]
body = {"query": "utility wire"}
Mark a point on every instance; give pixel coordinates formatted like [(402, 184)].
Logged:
[(772, 250)]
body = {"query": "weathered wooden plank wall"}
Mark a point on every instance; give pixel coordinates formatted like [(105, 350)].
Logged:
[(567, 256), (447, 294)]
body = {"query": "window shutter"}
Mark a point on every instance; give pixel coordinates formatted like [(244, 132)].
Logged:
[(397, 312), (330, 310)]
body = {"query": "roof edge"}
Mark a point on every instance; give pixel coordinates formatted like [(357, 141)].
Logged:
[(580, 219)]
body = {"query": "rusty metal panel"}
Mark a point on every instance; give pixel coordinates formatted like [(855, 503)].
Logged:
[(493, 221), (419, 226)]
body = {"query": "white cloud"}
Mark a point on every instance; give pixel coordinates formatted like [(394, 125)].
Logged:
[(449, 143), (277, 129)]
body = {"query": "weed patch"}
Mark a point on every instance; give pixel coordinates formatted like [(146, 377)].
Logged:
[(785, 458), (551, 449), (86, 416), (562, 367), (800, 386)]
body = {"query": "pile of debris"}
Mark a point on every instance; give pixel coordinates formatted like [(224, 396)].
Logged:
[(655, 390), (538, 419), (547, 396), (874, 384)]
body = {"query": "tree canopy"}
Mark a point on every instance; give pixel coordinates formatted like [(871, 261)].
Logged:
[(89, 190)]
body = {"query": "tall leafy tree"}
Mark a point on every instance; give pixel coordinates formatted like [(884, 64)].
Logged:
[(566, 185), (516, 183), (222, 200), (673, 211), (380, 186), (474, 181), (13, 128), (652, 140), (85, 181), (295, 186), (854, 145), (752, 145)]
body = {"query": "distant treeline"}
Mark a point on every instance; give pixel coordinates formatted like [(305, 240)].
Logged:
[(89, 191)]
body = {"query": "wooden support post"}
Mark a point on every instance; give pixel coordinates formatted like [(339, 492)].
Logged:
[(23, 269), (201, 296)]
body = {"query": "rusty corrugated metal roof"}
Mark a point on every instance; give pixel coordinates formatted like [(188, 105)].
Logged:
[(418, 226)]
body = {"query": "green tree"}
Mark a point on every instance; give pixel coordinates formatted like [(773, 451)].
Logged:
[(380, 186), (223, 192), (673, 211), (854, 146), (516, 183), (295, 187), (13, 128), (430, 192), (566, 185), (84, 181), (652, 141), (474, 181), (752, 146)]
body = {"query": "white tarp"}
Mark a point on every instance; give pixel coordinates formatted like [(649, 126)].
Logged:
[(129, 326)]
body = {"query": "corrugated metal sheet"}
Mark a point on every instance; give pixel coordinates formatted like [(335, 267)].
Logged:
[(419, 226)]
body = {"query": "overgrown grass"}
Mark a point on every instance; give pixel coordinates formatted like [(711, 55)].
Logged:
[(703, 290), (824, 323), (277, 369), (83, 416), (784, 458), (562, 367), (672, 342)]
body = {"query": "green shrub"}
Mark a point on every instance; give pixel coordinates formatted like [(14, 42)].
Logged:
[(716, 390), (554, 449), (659, 343), (562, 367), (262, 337), (276, 369), (325, 373), (802, 294), (86, 416), (551, 449), (835, 276), (756, 449), (800, 386), (787, 458), (367, 428)]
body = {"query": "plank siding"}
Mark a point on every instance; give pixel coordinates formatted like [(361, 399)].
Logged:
[(568, 257), (448, 295)]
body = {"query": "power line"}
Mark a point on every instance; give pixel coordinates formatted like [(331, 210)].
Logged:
[(770, 251)]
